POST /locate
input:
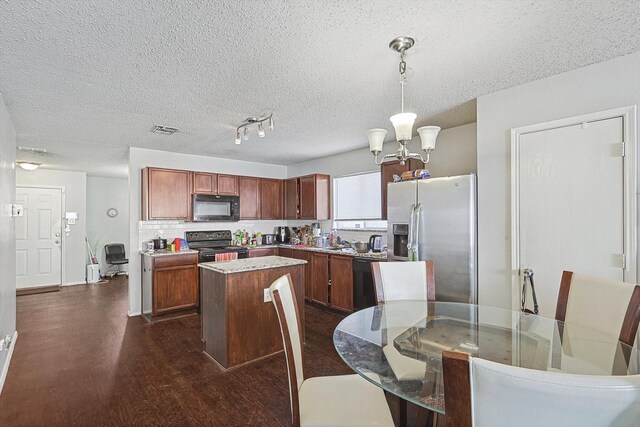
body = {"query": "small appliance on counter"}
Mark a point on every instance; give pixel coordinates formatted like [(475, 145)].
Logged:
[(268, 239), (375, 243), (159, 244), (283, 234)]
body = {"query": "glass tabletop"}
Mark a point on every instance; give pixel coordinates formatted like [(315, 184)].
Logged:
[(402, 343)]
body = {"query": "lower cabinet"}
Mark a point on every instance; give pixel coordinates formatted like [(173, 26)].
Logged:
[(319, 287), (258, 252), (171, 282), (285, 252), (307, 271), (341, 295)]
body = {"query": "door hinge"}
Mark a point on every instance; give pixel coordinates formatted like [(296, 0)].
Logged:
[(624, 261), (624, 149)]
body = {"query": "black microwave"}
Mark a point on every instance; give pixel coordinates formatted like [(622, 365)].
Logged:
[(208, 207)]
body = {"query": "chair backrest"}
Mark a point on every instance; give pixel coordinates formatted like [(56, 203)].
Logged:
[(114, 252), (284, 299), (606, 306), (394, 281), (481, 393)]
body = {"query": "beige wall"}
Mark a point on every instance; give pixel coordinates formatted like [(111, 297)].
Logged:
[(598, 87)]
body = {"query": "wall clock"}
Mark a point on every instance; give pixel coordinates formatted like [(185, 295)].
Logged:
[(112, 212)]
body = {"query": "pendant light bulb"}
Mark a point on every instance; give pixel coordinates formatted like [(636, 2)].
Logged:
[(260, 130), (246, 134), (238, 140), (271, 123)]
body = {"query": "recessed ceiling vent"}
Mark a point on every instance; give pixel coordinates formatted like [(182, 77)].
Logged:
[(164, 130), (33, 150)]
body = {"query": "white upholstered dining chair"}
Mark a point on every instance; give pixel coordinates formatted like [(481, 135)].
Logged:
[(608, 307), (481, 393), (394, 281), (344, 400)]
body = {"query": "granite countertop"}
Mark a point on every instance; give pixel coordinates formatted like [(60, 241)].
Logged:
[(164, 252), (250, 264), (352, 253)]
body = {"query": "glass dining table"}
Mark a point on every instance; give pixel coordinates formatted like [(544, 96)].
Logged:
[(402, 343)]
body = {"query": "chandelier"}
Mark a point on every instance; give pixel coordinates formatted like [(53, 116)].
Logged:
[(242, 131), (403, 122)]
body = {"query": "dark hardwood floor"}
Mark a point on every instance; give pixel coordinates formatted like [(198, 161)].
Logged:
[(79, 360)]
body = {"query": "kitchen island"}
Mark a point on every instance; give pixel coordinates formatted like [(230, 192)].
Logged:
[(239, 322)]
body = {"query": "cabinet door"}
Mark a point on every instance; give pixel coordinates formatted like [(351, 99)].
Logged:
[(168, 194), (227, 185), (270, 198), (308, 197), (291, 201), (341, 282), (319, 289), (205, 183), (258, 252), (387, 170), (175, 288), (300, 254), (249, 197), (285, 252)]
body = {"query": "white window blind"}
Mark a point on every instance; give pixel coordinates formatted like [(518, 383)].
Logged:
[(357, 197)]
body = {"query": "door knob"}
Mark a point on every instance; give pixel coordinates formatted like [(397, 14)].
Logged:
[(57, 242), (57, 234)]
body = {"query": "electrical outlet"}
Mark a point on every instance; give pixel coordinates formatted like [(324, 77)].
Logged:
[(267, 297)]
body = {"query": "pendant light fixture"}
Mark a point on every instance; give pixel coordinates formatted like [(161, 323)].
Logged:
[(242, 131), (403, 122)]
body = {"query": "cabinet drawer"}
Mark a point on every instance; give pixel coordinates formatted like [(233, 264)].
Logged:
[(173, 260)]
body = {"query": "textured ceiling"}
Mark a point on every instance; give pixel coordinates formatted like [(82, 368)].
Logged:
[(88, 79)]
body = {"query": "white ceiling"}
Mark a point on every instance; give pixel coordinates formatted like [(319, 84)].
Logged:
[(88, 79)]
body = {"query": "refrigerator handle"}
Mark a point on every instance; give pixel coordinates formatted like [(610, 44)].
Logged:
[(410, 236), (416, 231)]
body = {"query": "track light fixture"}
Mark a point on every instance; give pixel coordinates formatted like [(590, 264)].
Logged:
[(250, 121)]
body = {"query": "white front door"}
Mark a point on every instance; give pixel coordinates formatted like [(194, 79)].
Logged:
[(571, 204), (39, 237)]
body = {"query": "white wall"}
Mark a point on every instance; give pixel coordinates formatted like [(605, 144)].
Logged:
[(74, 200), (455, 154), (598, 87), (144, 230), (7, 234), (103, 194)]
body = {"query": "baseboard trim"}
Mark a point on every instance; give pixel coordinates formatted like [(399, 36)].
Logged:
[(136, 313), (5, 368), (37, 290)]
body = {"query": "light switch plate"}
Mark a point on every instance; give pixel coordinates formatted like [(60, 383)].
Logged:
[(267, 297), (16, 209)]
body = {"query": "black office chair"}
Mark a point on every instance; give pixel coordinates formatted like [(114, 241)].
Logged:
[(115, 256)]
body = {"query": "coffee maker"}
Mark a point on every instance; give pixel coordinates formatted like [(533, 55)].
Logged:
[(283, 234)]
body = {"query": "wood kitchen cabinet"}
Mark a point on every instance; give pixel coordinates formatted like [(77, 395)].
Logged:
[(314, 197), (166, 194), (387, 170), (249, 197), (169, 283), (341, 282), (285, 252), (228, 185), (291, 199), (258, 252), (319, 287), (205, 183), (305, 255), (270, 198)]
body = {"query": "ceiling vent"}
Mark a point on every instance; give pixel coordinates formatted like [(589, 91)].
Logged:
[(164, 130), (33, 150)]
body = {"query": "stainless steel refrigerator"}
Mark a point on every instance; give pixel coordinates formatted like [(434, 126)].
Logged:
[(436, 219)]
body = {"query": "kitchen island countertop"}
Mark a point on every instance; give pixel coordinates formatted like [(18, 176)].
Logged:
[(251, 264)]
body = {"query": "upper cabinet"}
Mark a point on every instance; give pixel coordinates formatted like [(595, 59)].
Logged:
[(314, 197), (205, 183), (249, 197), (387, 170), (291, 199), (270, 198), (166, 194), (228, 185)]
